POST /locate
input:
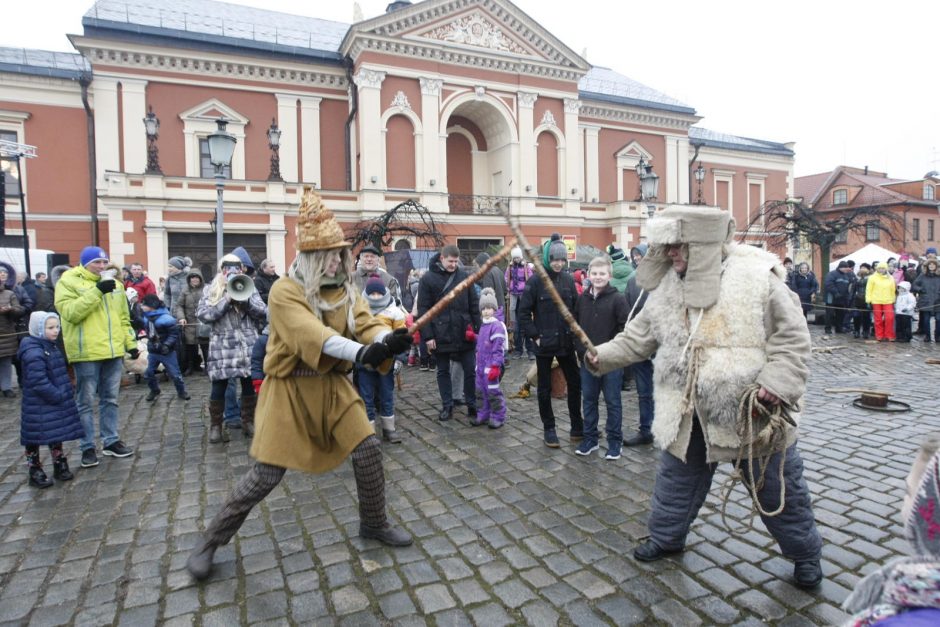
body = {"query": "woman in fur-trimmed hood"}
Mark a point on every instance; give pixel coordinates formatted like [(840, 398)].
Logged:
[(721, 322)]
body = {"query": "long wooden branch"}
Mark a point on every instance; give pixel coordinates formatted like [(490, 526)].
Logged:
[(449, 297), (547, 281)]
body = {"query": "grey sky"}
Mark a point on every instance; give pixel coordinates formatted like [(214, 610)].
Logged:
[(851, 83)]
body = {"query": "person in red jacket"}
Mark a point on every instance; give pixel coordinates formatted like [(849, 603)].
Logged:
[(140, 282)]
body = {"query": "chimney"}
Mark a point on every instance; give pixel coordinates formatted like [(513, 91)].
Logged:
[(396, 5)]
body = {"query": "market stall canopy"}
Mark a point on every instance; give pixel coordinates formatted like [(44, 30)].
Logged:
[(867, 254)]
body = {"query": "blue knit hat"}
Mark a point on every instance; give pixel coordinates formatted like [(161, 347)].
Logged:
[(93, 253)]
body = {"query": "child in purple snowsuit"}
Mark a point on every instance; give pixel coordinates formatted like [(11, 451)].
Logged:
[(491, 343)]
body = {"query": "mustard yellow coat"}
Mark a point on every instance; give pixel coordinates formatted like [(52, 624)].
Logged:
[(310, 423)]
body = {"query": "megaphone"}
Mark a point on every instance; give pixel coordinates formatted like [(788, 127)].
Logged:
[(240, 287)]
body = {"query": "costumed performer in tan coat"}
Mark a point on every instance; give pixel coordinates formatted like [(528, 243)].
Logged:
[(309, 416), (723, 327)]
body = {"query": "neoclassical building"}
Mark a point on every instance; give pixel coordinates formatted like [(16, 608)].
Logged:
[(454, 103)]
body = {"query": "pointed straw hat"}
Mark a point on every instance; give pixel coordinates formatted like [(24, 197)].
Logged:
[(317, 228)]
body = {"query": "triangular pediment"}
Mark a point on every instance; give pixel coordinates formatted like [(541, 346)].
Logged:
[(485, 27), (213, 109), (634, 150)]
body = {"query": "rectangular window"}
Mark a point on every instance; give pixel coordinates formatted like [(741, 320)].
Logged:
[(929, 230), (724, 194), (929, 192), (206, 169), (842, 237), (9, 167), (840, 197), (470, 247), (915, 228), (872, 232)]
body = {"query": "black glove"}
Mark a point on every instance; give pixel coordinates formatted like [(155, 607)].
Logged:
[(134, 353), (372, 356), (107, 286), (398, 341)]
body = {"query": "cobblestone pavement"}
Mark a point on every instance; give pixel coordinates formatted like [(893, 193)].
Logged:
[(507, 531)]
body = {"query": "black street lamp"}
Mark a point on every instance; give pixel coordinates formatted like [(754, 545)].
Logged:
[(700, 177), (221, 149), (152, 126), (649, 185), (274, 143)]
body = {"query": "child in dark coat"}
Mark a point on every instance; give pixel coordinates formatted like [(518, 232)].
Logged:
[(49, 415), (163, 335)]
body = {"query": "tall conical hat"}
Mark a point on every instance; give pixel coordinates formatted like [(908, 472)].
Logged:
[(317, 228)]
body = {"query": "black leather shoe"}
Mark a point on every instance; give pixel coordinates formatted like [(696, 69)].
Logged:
[(649, 551), (471, 412), (199, 563), (445, 414), (386, 534), (641, 437), (808, 574)]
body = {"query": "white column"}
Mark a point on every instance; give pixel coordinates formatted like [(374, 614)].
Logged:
[(310, 129), (591, 178), (676, 163), (276, 240), (107, 146), (134, 108), (369, 83), (682, 150), (156, 243), (287, 122), (574, 160), (527, 152), (431, 140)]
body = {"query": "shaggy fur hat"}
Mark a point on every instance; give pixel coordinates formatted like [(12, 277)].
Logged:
[(488, 299), (704, 231), (317, 228)]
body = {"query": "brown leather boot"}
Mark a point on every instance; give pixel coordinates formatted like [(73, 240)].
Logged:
[(217, 432), (248, 415)]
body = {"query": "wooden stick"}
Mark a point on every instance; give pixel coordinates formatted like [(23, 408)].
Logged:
[(933, 361), (547, 281), (855, 390), (448, 298)]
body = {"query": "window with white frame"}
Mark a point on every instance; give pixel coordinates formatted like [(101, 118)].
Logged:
[(9, 166), (206, 169), (840, 197), (929, 230), (915, 228), (929, 191), (872, 231)]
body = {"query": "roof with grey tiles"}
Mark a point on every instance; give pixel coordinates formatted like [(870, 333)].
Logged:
[(606, 85), (43, 63), (715, 139), (218, 23)]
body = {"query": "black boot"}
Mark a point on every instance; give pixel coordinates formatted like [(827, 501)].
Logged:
[(248, 415), (641, 437), (38, 478), (199, 563), (60, 469), (217, 431), (152, 396)]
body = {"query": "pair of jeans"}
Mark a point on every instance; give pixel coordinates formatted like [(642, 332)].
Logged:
[(682, 487), (643, 376), (233, 407), (467, 360), (591, 388), (170, 365), (569, 366), (104, 378), (377, 391), (6, 373)]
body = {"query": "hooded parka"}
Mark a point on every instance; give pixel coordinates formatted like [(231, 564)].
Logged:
[(185, 308), (95, 326)]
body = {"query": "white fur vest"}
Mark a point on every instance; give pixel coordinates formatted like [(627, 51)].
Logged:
[(727, 349)]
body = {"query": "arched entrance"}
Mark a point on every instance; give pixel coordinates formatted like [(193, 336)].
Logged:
[(481, 152)]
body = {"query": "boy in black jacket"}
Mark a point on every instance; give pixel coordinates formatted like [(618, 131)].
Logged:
[(601, 311), (541, 321)]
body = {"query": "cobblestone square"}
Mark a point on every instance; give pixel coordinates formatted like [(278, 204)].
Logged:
[(506, 530)]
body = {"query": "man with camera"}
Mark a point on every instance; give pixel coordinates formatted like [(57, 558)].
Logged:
[(96, 327)]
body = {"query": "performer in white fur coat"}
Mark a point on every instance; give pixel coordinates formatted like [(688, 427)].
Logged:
[(719, 319)]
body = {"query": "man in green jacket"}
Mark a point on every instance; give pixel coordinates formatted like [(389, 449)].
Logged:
[(96, 327)]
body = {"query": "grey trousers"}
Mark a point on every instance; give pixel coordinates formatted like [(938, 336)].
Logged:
[(681, 489), (262, 478)]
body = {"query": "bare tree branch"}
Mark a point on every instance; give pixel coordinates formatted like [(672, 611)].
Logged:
[(407, 219)]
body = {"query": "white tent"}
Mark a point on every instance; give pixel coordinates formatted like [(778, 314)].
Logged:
[(867, 254)]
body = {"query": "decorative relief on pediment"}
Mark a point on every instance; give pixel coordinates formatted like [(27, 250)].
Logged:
[(480, 91), (572, 105), (401, 101), (476, 30)]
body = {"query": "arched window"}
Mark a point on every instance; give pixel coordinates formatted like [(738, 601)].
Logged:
[(400, 153), (547, 164)]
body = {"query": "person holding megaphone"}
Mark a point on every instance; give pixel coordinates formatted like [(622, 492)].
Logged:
[(232, 307)]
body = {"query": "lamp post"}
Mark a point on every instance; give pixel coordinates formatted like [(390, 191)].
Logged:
[(649, 185), (700, 177), (274, 143), (152, 127), (221, 148)]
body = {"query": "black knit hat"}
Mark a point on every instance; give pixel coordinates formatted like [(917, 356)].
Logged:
[(616, 254), (153, 301)]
